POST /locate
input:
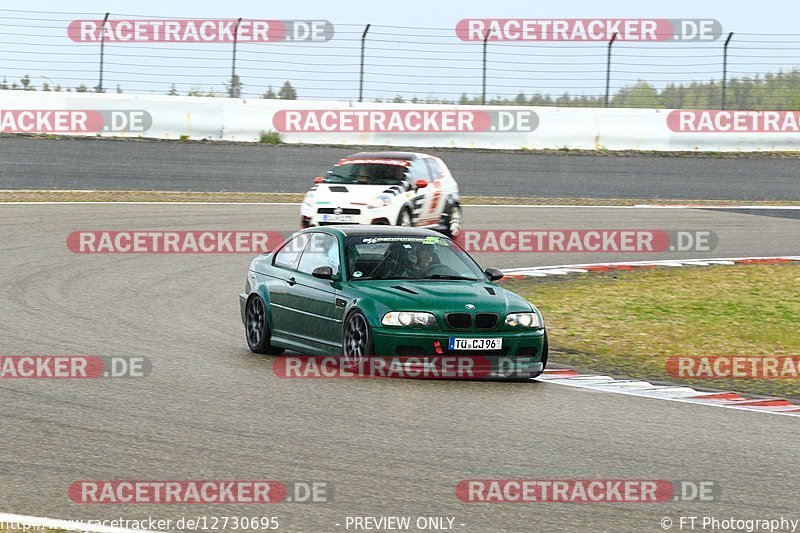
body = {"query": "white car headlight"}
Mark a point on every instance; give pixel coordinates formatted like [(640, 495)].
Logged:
[(380, 201), (408, 318), (309, 199), (525, 320)]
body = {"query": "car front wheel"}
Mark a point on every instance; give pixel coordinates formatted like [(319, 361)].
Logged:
[(454, 222), (257, 328), (356, 340), (405, 218)]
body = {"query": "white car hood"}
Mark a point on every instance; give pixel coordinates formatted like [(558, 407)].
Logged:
[(354, 193)]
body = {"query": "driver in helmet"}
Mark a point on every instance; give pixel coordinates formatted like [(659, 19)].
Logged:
[(426, 258)]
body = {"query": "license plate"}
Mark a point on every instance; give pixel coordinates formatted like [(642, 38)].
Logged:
[(475, 344), (338, 218)]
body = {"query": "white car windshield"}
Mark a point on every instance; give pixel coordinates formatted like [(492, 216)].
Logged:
[(366, 174)]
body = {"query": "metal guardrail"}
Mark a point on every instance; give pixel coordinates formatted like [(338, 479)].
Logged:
[(399, 64)]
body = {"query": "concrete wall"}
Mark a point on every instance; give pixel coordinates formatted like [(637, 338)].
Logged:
[(544, 127)]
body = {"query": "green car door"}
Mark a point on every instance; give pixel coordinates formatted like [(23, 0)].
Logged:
[(315, 319), (281, 279)]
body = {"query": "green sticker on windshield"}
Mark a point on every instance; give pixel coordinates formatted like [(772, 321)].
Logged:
[(430, 240)]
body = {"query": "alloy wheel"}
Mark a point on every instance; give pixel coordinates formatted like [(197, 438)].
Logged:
[(356, 339), (256, 321)]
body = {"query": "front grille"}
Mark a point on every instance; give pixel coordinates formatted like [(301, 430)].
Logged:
[(345, 211), (485, 321), (458, 320)]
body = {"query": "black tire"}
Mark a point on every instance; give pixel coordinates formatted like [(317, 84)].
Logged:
[(356, 339), (256, 328), (545, 351), (404, 218), (449, 229)]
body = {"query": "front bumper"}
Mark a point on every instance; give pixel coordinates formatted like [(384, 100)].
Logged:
[(520, 357), (309, 216)]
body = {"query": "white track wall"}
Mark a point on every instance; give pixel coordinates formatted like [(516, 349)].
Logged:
[(229, 119)]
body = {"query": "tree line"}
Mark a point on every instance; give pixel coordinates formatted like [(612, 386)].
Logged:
[(779, 91), (233, 89)]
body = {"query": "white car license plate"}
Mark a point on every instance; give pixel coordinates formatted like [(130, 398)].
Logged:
[(338, 218), (475, 344)]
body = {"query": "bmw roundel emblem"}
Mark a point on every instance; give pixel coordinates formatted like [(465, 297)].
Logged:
[(469, 306), (338, 211)]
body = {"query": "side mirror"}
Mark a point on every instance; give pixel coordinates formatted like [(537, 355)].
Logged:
[(421, 184), (319, 179), (324, 272), (494, 273)]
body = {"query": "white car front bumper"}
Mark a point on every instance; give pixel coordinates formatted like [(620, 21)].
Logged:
[(349, 214)]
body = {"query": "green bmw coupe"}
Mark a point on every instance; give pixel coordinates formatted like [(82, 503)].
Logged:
[(362, 292)]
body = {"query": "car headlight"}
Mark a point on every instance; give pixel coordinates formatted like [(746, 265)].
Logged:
[(309, 199), (380, 201), (408, 318), (525, 320)]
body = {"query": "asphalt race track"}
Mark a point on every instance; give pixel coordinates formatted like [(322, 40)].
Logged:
[(213, 410), (28, 163)]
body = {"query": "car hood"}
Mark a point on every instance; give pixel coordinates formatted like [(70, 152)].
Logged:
[(345, 194), (441, 296)]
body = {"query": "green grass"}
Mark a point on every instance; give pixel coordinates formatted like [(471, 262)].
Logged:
[(627, 324), (270, 137)]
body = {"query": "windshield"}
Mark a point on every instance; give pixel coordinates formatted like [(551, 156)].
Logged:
[(366, 174), (408, 257)]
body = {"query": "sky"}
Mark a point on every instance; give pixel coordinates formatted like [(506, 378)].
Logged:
[(765, 16), (412, 49)]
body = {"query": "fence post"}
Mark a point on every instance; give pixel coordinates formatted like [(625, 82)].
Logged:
[(361, 74), (483, 92), (608, 66), (234, 90), (99, 87), (725, 68)]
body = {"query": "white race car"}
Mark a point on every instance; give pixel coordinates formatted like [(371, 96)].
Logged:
[(392, 188)]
